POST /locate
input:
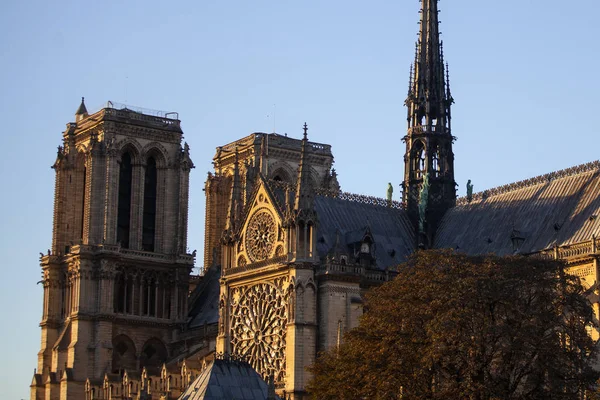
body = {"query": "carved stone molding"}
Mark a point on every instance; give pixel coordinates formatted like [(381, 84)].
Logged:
[(339, 289)]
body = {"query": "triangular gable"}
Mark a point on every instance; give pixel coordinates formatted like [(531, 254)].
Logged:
[(262, 205), (262, 187)]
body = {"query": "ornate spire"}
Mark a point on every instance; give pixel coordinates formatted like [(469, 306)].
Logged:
[(429, 187), (427, 100), (304, 194)]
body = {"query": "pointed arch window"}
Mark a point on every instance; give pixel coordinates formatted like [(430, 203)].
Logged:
[(124, 205), (149, 219), (123, 297), (436, 163), (419, 161)]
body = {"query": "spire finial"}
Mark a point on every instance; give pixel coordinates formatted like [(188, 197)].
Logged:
[(448, 94), (410, 79), (303, 188)]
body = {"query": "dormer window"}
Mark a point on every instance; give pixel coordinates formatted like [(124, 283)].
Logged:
[(365, 248)]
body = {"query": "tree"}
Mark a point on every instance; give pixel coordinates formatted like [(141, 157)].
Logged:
[(452, 326)]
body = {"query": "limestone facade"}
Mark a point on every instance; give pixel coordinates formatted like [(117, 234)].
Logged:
[(273, 156), (288, 256), (116, 278)]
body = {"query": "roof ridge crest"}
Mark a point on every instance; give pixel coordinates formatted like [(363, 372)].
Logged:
[(536, 180), (338, 194)]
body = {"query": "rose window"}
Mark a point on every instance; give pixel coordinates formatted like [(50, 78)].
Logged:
[(258, 327), (260, 236)]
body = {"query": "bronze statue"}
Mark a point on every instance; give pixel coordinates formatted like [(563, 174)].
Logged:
[(469, 191), (423, 197)]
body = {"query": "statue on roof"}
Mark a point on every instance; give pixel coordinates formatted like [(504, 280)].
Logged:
[(390, 192), (469, 191)]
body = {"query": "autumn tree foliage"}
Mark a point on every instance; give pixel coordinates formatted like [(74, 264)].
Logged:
[(452, 326)]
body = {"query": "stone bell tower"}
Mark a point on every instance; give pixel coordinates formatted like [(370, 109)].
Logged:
[(429, 186), (116, 277)]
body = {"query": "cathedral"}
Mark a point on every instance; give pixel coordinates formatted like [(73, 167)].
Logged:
[(288, 254)]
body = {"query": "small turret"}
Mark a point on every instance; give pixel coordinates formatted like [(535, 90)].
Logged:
[(81, 112)]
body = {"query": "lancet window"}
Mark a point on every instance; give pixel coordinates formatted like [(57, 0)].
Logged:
[(124, 205), (69, 294), (146, 296), (149, 219), (436, 163), (124, 355), (419, 161)]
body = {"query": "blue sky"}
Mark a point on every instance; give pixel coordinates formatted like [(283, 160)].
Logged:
[(524, 74)]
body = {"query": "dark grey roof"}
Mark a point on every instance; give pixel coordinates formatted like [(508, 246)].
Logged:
[(389, 227), (561, 208), (227, 380), (205, 299), (348, 216)]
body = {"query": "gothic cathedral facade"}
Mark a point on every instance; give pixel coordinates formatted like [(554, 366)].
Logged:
[(288, 255), (116, 278)]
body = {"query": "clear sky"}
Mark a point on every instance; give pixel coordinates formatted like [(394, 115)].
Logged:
[(524, 74)]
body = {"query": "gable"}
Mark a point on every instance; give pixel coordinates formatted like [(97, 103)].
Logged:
[(262, 235)]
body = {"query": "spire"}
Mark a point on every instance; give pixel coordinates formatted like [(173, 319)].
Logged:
[(303, 185), (81, 111), (429, 187), (235, 204), (427, 100)]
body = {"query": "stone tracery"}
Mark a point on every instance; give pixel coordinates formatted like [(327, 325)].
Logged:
[(258, 327), (261, 236)]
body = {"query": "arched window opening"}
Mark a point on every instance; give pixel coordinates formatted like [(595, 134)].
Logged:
[(64, 297), (167, 302), (281, 175), (149, 219), (123, 357), (120, 295), (123, 294), (419, 161), (309, 239), (153, 355), (435, 163), (149, 298), (301, 239), (83, 192), (124, 205)]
